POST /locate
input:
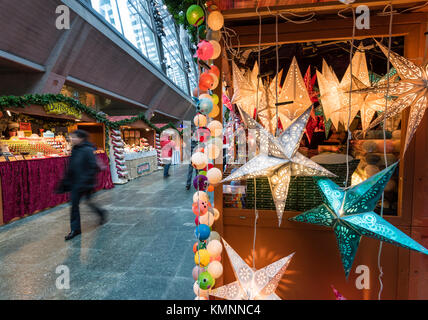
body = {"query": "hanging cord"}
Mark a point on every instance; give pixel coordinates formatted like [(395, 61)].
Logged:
[(384, 139)]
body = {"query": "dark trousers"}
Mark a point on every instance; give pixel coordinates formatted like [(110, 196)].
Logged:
[(166, 169), (190, 174), (76, 196)]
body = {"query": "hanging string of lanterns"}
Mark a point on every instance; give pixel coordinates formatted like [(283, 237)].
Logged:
[(208, 248)]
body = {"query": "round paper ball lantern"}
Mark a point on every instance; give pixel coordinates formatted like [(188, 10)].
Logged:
[(213, 151), (210, 188), (197, 270), (199, 245), (214, 248), (214, 70), (206, 81), (215, 268), (205, 106), (200, 207), (216, 128), (199, 292), (214, 236), (202, 257), (215, 98), (216, 48), (214, 35), (214, 112), (203, 173), (214, 176), (202, 135), (200, 183), (216, 214), (201, 195), (202, 232), (215, 81), (206, 281), (202, 32), (200, 120), (195, 15), (215, 20), (207, 219), (205, 50), (199, 160), (206, 96)]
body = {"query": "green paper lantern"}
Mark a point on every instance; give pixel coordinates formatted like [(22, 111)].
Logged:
[(206, 281), (195, 15)]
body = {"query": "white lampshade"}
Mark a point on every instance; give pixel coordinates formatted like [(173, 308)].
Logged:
[(215, 20), (215, 268), (215, 248), (214, 176)]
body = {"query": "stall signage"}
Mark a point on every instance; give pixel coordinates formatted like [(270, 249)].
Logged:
[(62, 108), (142, 168)]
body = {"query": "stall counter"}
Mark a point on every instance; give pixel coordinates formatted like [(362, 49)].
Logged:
[(141, 163)]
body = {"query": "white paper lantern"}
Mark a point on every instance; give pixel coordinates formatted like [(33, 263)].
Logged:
[(216, 214), (215, 248), (198, 291), (214, 35), (201, 195), (217, 49), (199, 160), (214, 176), (207, 219), (216, 128), (215, 20), (214, 236), (213, 151), (215, 268), (200, 120)]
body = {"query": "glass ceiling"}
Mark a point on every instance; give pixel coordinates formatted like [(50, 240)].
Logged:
[(135, 20)]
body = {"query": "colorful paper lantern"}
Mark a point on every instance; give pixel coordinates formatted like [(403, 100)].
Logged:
[(214, 176), (195, 15), (205, 50), (206, 81), (202, 135), (207, 219), (210, 188), (214, 248), (215, 81), (215, 97), (201, 195), (202, 32), (205, 106), (215, 20), (197, 270), (217, 49), (214, 112), (215, 70), (200, 182), (200, 120), (199, 160), (200, 208), (216, 128), (206, 281)]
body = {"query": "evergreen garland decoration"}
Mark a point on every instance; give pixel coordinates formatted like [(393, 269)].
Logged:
[(45, 99), (178, 10)]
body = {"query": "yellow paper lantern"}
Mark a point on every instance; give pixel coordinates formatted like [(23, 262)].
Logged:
[(217, 49), (215, 98), (214, 112), (202, 258), (216, 128), (200, 120), (215, 20)]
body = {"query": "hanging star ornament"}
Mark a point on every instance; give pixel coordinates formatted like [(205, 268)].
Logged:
[(411, 91), (252, 284), (350, 214), (278, 160)]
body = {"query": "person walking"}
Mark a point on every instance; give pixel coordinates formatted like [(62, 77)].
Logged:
[(80, 180), (167, 145), (190, 169)]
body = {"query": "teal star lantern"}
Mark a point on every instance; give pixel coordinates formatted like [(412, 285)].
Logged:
[(350, 214)]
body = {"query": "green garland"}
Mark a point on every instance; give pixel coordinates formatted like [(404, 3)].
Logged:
[(178, 11), (45, 99)]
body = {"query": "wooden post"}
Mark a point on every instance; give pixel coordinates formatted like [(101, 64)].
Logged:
[(1, 206)]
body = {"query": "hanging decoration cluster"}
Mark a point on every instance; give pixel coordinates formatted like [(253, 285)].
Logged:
[(208, 137)]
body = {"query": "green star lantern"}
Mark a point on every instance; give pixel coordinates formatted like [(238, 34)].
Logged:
[(350, 214)]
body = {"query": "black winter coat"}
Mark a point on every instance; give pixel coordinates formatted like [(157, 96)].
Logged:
[(81, 174)]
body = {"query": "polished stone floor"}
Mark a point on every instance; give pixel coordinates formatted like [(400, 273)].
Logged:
[(144, 251)]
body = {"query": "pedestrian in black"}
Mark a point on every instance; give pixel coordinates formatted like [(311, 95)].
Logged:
[(80, 179), (193, 144)]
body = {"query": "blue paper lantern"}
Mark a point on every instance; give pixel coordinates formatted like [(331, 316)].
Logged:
[(205, 106), (202, 232)]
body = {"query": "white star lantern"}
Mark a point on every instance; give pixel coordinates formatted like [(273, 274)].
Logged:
[(252, 284), (412, 91), (280, 161)]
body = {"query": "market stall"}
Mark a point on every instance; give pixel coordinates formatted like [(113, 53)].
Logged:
[(34, 155)]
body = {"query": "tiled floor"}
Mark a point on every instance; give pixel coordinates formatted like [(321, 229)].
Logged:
[(144, 251)]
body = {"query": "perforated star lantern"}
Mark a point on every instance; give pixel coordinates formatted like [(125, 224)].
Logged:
[(252, 284), (350, 214), (412, 91), (279, 161), (294, 89)]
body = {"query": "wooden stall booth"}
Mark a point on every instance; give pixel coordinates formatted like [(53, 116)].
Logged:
[(316, 265), (34, 154)]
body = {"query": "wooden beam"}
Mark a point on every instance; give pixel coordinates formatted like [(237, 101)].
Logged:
[(321, 7), (326, 30)]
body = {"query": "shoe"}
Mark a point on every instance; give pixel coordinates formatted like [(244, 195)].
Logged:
[(72, 234), (188, 187), (166, 176)]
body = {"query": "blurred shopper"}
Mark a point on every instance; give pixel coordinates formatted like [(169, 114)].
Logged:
[(80, 179), (167, 145), (190, 169)]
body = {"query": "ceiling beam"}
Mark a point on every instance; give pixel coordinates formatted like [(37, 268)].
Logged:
[(320, 7)]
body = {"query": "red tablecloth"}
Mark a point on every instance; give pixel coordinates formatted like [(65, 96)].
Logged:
[(29, 186)]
